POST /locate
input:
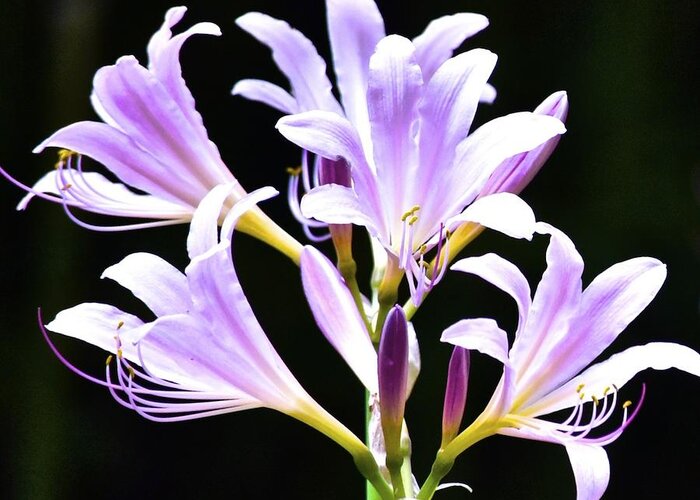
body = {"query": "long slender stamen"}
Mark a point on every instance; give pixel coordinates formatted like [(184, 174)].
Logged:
[(297, 176)]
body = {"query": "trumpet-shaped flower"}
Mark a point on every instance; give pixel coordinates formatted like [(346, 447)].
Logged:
[(355, 28), (205, 353), (561, 330), (153, 139)]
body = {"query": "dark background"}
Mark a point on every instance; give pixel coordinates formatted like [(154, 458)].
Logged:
[(624, 182)]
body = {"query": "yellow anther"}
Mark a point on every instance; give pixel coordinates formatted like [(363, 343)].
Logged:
[(132, 374), (109, 360), (580, 387), (581, 396), (410, 213), (59, 164), (120, 324), (412, 220), (627, 404), (595, 400), (66, 187), (295, 171), (448, 234), (119, 353), (64, 154), (423, 249)]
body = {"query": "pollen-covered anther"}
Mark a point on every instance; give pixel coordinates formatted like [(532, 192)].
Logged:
[(627, 404), (580, 387), (294, 171), (120, 354), (66, 187), (109, 360), (411, 215), (595, 400), (120, 324)]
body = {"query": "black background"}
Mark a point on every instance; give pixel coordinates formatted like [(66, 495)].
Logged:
[(624, 182)]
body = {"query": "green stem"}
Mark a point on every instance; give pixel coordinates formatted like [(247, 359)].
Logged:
[(348, 270), (371, 492), (387, 296)]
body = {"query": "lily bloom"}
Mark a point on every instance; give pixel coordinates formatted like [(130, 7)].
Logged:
[(421, 168), (561, 330), (205, 353), (152, 138), (355, 27)]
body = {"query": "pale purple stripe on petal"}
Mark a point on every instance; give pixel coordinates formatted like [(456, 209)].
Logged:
[(394, 89), (354, 27), (337, 316)]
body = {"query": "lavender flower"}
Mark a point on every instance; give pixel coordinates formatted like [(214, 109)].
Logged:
[(561, 331), (153, 139), (205, 353), (355, 28)]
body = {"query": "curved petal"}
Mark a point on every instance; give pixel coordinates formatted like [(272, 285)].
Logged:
[(503, 212), (394, 88), (122, 156), (354, 29), (94, 192), (297, 58), (554, 307), (154, 281), (617, 371), (442, 36), (142, 107), (332, 136), (610, 303), (97, 324), (502, 274), (267, 93), (164, 64), (448, 108), (480, 334), (336, 204), (337, 316), (516, 172), (204, 228), (591, 470), (482, 151)]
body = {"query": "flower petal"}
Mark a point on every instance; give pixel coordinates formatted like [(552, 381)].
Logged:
[(480, 154), (204, 234), (554, 306), (144, 110), (502, 274), (267, 93), (516, 172), (610, 303), (442, 36), (337, 316), (394, 88), (336, 204), (154, 281), (480, 334), (97, 324), (164, 64), (297, 58), (122, 156), (591, 470), (354, 29), (93, 191), (332, 136), (503, 212), (448, 108), (617, 371)]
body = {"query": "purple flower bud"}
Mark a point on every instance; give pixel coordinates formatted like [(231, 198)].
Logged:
[(393, 376), (516, 172), (455, 394)]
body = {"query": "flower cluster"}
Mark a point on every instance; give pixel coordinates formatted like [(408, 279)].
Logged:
[(397, 156)]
